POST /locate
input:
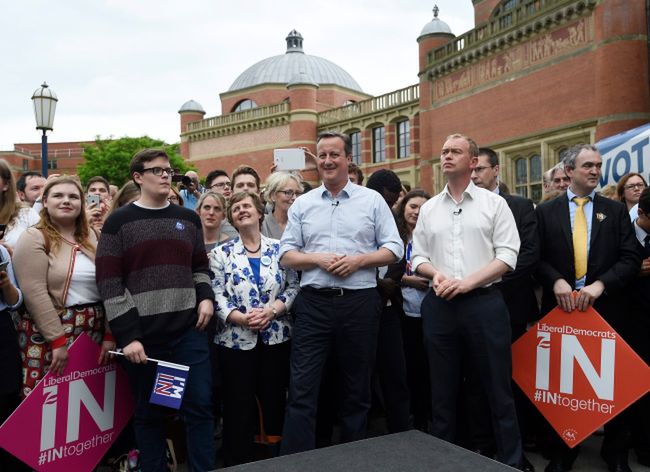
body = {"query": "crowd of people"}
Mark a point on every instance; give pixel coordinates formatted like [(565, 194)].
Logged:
[(299, 310)]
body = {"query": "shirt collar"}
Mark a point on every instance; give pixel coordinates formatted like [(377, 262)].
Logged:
[(570, 195), (470, 190), (640, 233), (347, 191)]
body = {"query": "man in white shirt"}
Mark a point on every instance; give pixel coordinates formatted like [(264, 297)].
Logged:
[(465, 240)]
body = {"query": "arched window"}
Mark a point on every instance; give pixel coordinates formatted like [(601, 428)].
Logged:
[(528, 176), (245, 104)]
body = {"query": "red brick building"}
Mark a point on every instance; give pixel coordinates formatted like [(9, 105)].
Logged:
[(63, 158), (532, 78)]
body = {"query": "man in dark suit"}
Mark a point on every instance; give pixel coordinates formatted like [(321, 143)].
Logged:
[(516, 286), (518, 294), (588, 245)]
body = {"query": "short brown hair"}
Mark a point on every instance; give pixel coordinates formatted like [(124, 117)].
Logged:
[(347, 141), (354, 169), (100, 179), (141, 157), (238, 197), (241, 170), (473, 147)]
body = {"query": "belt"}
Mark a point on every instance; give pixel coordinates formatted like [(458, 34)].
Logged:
[(477, 292), (330, 291)]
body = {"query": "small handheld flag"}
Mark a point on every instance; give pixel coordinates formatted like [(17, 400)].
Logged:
[(169, 386)]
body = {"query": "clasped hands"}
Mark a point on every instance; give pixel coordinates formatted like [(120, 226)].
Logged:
[(256, 319), (341, 265), (447, 288)]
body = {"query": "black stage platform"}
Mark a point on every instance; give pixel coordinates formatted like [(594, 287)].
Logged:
[(409, 451)]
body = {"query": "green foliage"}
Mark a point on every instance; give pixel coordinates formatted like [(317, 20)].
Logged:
[(110, 158)]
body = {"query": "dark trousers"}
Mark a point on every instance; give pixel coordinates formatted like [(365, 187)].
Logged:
[(391, 370), (348, 326), (477, 322), (479, 427), (261, 373), (417, 372), (192, 350)]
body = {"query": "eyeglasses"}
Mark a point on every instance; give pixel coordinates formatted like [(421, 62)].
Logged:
[(158, 171), (173, 199), (290, 193), (640, 185), (480, 169), (222, 185)]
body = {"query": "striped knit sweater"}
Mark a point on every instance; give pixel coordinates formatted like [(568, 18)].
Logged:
[(152, 271)]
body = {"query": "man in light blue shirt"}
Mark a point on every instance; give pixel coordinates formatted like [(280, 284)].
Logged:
[(337, 235)]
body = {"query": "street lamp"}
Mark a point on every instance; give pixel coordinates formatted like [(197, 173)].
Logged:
[(44, 108)]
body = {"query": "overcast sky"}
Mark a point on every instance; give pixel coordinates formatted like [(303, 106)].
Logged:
[(124, 67)]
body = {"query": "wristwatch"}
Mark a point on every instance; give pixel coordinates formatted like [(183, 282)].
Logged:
[(275, 312)]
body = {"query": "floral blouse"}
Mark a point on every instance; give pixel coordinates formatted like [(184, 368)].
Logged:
[(236, 288)]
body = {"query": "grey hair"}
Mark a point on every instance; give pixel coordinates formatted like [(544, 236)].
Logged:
[(277, 180), (553, 170), (571, 154)]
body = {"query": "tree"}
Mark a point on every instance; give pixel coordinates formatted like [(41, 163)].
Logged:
[(110, 158)]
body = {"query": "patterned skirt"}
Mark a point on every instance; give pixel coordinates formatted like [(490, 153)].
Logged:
[(36, 353)]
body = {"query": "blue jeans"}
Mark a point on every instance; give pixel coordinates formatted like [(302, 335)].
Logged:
[(190, 349)]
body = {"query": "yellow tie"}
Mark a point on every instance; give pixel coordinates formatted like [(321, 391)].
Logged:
[(580, 237)]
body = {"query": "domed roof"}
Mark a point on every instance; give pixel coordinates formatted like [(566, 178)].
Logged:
[(191, 105), (302, 78), (436, 25), (282, 69)]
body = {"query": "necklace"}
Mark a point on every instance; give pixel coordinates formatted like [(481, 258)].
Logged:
[(251, 251)]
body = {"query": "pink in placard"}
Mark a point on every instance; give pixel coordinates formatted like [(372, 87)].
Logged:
[(69, 421)]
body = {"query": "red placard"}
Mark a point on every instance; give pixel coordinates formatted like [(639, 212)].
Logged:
[(578, 372), (69, 421)]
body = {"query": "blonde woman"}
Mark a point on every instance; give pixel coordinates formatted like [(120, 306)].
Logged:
[(211, 208), (55, 267)]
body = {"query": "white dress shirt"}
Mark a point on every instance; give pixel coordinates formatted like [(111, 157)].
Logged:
[(460, 238)]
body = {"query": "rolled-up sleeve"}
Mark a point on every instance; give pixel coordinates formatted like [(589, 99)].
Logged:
[(386, 231), (505, 237), (292, 236)]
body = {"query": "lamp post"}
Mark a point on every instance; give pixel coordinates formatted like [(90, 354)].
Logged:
[(44, 100)]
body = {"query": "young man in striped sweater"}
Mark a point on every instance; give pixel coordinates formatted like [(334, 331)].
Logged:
[(152, 273)]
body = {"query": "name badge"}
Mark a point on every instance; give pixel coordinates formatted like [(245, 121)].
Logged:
[(265, 260)]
